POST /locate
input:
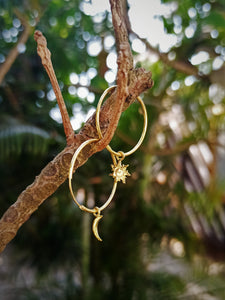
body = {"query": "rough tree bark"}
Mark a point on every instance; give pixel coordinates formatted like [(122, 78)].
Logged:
[(131, 82)]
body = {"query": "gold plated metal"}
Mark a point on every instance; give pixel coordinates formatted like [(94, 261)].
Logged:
[(96, 211), (119, 171), (99, 129)]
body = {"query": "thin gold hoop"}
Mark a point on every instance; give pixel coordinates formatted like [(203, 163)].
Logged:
[(119, 171), (99, 129), (96, 211)]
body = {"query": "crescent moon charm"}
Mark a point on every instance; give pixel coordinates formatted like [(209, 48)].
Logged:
[(95, 227)]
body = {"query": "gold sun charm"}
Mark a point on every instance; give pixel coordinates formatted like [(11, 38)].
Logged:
[(120, 172)]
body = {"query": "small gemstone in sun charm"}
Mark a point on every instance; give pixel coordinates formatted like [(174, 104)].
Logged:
[(120, 172)]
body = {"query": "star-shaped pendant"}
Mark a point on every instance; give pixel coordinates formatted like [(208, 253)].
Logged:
[(120, 172)]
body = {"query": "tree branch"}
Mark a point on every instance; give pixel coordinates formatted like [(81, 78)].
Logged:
[(15, 52), (125, 64), (131, 83), (181, 66), (45, 56)]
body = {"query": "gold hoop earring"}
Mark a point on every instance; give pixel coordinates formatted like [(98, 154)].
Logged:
[(96, 211), (119, 171)]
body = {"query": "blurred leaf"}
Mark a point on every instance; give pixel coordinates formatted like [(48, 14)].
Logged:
[(216, 19), (18, 138)]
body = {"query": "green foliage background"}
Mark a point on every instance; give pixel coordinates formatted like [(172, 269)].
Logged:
[(147, 215)]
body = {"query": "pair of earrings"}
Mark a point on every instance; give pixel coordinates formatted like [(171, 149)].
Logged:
[(119, 171)]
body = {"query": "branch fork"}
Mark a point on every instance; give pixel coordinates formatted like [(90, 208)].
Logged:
[(130, 83)]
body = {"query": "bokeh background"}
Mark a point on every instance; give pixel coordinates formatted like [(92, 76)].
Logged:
[(164, 233)]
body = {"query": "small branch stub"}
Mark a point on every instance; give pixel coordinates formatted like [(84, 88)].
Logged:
[(45, 56)]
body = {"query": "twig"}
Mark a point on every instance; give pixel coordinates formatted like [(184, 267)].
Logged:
[(45, 56), (125, 64), (5, 67), (181, 66), (12, 98)]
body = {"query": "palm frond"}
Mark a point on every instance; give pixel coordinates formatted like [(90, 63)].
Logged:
[(17, 138)]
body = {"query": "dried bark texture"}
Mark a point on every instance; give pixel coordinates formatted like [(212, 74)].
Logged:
[(131, 83), (45, 56)]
